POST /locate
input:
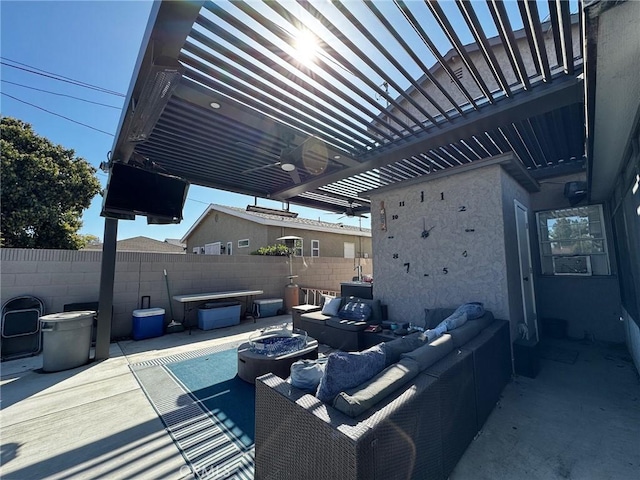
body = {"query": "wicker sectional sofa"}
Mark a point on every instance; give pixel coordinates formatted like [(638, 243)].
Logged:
[(418, 430), (346, 335)]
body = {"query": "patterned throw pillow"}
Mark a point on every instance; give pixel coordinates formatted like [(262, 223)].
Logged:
[(355, 311), (349, 369)]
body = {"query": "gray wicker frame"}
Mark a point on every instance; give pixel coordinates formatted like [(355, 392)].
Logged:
[(298, 436), (418, 432)]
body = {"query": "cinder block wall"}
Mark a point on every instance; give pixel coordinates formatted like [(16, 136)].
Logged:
[(59, 277), (327, 273)]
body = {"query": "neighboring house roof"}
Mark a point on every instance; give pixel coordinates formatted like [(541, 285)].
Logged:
[(142, 244), (175, 241), (280, 221)]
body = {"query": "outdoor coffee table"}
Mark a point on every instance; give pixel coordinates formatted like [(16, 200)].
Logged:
[(252, 363)]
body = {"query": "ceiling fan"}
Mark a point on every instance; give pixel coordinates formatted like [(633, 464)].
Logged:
[(350, 212), (311, 155)]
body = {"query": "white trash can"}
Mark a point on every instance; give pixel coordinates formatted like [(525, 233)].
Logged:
[(66, 340)]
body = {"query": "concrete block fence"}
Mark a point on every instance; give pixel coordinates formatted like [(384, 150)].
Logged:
[(59, 277)]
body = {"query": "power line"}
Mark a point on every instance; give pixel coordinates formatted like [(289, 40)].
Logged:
[(58, 115), (199, 201), (61, 94), (62, 76), (64, 79)]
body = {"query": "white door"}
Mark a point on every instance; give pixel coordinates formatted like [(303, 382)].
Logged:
[(349, 250), (526, 272)]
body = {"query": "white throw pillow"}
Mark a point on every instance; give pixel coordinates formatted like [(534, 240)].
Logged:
[(331, 306)]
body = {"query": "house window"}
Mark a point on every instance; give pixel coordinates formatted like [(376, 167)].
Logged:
[(298, 248), (243, 243), (572, 241), (315, 248), (229, 248)]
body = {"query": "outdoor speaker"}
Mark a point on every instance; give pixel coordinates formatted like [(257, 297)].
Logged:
[(575, 192)]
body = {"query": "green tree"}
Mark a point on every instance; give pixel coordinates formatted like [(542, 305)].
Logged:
[(45, 189)]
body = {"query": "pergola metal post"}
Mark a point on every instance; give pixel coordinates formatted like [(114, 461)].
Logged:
[(107, 275)]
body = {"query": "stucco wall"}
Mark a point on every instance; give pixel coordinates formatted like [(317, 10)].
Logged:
[(474, 260), (59, 277), (222, 227), (617, 87)]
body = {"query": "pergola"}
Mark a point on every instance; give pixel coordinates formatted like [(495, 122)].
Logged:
[(223, 97)]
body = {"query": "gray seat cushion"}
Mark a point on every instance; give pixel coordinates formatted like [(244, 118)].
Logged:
[(430, 353), (358, 400), (348, 325), (315, 317)]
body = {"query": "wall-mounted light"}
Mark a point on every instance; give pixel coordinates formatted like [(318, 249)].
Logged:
[(163, 78)]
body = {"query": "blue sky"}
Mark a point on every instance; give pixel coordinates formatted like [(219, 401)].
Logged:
[(95, 42)]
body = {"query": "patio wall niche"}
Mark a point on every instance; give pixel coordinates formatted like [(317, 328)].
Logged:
[(59, 277)]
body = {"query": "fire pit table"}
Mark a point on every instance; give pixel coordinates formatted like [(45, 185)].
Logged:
[(273, 351)]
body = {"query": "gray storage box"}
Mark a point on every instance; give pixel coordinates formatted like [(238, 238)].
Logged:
[(218, 315), (267, 307)]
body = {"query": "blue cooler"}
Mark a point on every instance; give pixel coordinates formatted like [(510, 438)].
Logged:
[(218, 315), (267, 307), (148, 323)]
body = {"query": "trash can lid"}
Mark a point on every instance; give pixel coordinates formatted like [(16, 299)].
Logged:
[(67, 316), (148, 312)]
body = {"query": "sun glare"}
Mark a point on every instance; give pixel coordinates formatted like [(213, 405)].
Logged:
[(306, 46)]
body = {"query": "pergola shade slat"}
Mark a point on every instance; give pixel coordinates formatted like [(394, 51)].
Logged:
[(392, 92)]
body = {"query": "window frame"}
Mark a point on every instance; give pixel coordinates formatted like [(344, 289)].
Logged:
[(241, 245), (602, 264), (298, 251), (315, 250)]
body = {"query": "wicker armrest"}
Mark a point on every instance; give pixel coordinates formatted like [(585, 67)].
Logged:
[(298, 436), (299, 310), (302, 309), (307, 404)]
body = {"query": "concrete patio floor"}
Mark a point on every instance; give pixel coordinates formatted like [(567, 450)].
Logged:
[(579, 420)]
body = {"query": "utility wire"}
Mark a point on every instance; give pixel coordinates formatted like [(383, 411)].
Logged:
[(61, 94), (63, 79), (57, 114), (62, 76), (199, 201)]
